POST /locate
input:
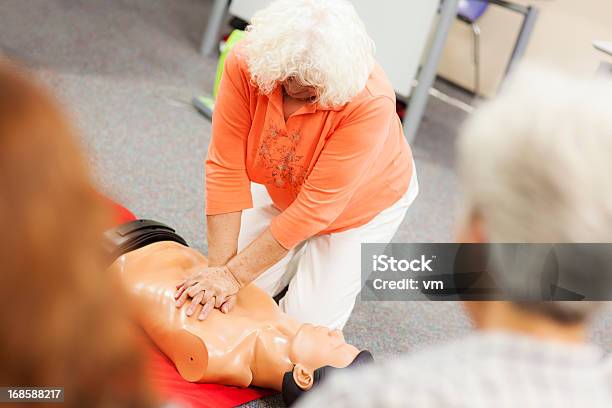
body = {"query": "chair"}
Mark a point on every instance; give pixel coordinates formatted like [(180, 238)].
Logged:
[(469, 11)]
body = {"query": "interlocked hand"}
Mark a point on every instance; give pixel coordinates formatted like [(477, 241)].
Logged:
[(214, 287)]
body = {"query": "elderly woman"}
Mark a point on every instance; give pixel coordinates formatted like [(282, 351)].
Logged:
[(305, 114)]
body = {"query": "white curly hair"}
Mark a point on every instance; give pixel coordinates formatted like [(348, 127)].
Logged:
[(319, 43)]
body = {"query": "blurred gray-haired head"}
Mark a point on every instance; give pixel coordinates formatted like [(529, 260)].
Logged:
[(535, 165)]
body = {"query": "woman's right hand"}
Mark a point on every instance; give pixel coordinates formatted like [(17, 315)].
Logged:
[(214, 287)]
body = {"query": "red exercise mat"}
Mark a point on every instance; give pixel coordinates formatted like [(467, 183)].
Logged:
[(168, 383)]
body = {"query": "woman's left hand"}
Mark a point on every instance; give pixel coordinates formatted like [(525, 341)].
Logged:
[(214, 287)]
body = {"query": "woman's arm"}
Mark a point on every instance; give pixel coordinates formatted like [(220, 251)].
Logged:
[(217, 286), (222, 233), (228, 188), (262, 253)]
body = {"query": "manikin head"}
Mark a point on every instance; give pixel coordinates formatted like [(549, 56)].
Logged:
[(317, 351), (314, 347), (534, 165)]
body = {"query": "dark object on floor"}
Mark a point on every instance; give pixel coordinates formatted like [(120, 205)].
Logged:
[(281, 295), (137, 234), (238, 24), (400, 108), (292, 392)]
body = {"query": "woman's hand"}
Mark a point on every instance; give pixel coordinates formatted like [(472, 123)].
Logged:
[(217, 286), (214, 287)]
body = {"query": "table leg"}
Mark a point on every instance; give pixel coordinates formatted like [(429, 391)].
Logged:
[(524, 36), (427, 75), (210, 39)]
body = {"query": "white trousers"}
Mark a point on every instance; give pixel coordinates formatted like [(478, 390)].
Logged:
[(324, 271)]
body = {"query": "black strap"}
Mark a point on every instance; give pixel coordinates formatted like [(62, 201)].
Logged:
[(137, 234)]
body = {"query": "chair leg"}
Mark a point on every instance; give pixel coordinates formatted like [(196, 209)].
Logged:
[(476, 36)]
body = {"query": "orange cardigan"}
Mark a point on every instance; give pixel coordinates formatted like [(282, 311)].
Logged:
[(326, 169)]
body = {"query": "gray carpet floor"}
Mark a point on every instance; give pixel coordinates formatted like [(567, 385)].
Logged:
[(126, 70)]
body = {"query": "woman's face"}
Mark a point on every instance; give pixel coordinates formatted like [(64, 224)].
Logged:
[(296, 90)]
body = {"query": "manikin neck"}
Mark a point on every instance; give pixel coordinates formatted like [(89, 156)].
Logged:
[(271, 355)]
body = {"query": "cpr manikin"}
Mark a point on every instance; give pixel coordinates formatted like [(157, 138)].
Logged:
[(254, 344)]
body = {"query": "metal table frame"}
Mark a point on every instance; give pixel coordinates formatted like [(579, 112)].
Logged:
[(210, 39), (530, 16), (427, 75)]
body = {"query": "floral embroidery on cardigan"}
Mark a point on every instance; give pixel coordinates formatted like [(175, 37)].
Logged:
[(278, 150)]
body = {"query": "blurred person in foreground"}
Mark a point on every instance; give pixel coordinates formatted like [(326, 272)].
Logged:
[(535, 166), (60, 319)]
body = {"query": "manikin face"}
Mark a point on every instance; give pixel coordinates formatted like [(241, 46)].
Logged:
[(316, 346), (296, 90)]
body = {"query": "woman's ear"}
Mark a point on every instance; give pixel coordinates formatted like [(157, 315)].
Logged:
[(303, 377)]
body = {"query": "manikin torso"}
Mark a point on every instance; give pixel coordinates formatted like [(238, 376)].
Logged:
[(251, 345)]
